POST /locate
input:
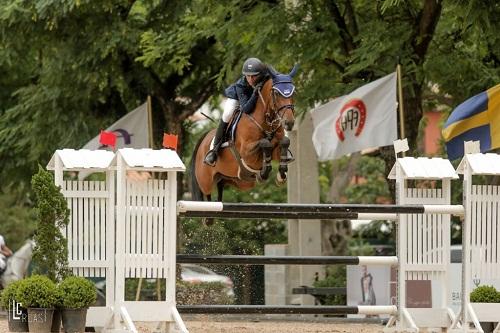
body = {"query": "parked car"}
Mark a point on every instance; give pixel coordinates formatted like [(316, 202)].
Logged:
[(197, 274)]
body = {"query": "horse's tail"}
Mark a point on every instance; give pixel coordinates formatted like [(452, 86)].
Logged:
[(196, 193)]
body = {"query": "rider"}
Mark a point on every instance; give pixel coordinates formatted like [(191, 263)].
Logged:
[(5, 252), (243, 94)]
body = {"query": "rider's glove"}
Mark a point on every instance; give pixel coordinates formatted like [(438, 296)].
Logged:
[(258, 87)]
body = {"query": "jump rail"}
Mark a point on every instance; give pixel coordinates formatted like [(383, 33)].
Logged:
[(290, 309), (287, 260), (186, 208)]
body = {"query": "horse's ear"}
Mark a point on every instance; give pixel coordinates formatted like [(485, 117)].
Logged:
[(294, 70), (272, 71)]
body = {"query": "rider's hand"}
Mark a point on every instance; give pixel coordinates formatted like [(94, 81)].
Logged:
[(258, 86)]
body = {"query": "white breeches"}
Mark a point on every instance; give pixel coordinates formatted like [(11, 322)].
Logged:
[(3, 261), (228, 109)]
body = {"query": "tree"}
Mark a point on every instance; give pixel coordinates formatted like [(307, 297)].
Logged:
[(342, 45), (90, 63)]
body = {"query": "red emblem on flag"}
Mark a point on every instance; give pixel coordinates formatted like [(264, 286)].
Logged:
[(352, 117)]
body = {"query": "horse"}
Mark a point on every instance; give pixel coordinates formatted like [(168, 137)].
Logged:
[(259, 138), (17, 264)]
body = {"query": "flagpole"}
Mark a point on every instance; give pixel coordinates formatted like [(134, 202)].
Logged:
[(150, 123), (401, 108)]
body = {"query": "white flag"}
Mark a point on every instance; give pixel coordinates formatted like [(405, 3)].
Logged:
[(132, 131), (365, 118)]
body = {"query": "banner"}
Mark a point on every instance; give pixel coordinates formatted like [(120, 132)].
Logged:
[(476, 119), (365, 118), (131, 131)]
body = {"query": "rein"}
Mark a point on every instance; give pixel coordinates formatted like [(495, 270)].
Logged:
[(273, 116)]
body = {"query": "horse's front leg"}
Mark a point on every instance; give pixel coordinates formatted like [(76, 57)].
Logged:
[(267, 150), (283, 168)]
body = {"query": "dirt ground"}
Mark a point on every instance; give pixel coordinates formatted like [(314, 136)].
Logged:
[(222, 324)]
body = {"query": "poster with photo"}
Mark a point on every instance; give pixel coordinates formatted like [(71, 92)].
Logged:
[(368, 285)]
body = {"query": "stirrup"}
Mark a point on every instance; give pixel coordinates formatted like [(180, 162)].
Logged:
[(214, 159)]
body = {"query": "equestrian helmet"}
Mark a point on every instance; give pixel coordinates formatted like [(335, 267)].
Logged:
[(253, 66)]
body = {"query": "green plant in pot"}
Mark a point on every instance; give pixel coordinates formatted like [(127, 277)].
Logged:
[(485, 294), (77, 294), (50, 254), (39, 295), (486, 302), (17, 315)]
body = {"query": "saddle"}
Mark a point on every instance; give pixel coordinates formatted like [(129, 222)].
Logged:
[(230, 134)]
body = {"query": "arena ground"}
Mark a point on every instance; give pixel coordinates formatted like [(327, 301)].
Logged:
[(231, 324)]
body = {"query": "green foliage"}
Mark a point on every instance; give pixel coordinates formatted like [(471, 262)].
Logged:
[(372, 184), (37, 291), (336, 276), (377, 232), (186, 293), (77, 292), (9, 294), (50, 254), (485, 294), (114, 54), (18, 221), (202, 293)]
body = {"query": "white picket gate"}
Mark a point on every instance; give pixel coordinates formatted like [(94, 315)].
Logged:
[(480, 240), (123, 230), (423, 240)]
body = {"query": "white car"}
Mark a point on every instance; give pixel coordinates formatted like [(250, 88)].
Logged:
[(196, 274)]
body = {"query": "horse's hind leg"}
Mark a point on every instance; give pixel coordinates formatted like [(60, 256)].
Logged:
[(220, 190), (208, 221), (267, 151), (283, 168)]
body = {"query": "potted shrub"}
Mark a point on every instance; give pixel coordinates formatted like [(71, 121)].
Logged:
[(77, 294), (485, 300), (50, 254), (17, 314), (39, 295)]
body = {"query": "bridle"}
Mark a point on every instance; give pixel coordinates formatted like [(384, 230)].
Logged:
[(281, 110), (273, 115)]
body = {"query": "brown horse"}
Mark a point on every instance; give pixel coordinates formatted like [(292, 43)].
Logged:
[(260, 138)]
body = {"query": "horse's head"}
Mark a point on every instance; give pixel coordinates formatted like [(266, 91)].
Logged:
[(282, 90)]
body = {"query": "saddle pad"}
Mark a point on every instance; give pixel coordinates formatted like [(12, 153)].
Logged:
[(232, 131), (234, 123)]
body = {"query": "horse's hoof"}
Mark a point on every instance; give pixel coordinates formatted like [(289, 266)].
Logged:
[(208, 221), (280, 181)]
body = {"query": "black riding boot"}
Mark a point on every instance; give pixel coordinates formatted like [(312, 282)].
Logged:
[(219, 135)]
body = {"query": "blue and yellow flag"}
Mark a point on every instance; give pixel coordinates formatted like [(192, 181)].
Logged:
[(478, 118)]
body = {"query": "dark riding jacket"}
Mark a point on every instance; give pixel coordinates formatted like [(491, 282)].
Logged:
[(243, 93)]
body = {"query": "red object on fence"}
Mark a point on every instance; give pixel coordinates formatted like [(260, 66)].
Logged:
[(170, 141), (107, 139)]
